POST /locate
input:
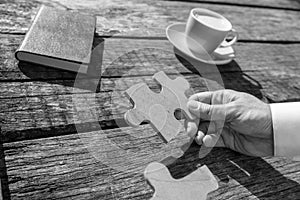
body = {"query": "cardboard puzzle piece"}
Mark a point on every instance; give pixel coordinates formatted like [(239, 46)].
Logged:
[(195, 186), (159, 108)]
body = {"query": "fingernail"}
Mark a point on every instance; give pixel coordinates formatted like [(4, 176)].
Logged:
[(192, 129), (199, 137), (193, 105), (208, 141)]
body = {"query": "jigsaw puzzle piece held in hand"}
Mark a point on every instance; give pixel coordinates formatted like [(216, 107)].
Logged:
[(195, 186), (177, 86), (159, 108)]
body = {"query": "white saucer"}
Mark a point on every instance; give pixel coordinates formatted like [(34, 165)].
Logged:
[(176, 35)]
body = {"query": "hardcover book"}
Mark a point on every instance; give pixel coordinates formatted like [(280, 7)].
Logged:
[(60, 39)]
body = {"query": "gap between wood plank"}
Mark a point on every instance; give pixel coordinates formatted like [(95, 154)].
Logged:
[(102, 77), (61, 130), (262, 23), (237, 4), (69, 129), (165, 38)]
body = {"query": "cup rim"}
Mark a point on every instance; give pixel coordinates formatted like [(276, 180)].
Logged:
[(212, 12)]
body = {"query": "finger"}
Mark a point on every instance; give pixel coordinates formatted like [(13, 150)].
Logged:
[(207, 127), (213, 140), (192, 128), (213, 136), (199, 137), (204, 97), (206, 111), (204, 128)]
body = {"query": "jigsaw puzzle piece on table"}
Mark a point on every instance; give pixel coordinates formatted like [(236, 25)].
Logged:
[(159, 108), (195, 186)]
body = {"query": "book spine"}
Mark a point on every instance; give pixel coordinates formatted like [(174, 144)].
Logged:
[(29, 31)]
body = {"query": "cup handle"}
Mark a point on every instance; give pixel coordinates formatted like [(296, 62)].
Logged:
[(235, 35)]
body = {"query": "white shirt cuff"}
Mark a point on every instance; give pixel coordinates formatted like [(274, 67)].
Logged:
[(286, 129)]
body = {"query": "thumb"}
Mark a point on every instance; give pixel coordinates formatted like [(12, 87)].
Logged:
[(207, 111)]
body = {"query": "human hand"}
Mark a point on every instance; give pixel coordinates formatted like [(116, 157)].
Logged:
[(232, 119)]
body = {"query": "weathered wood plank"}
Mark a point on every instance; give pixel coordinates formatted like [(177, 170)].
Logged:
[(145, 18), (65, 168), (45, 108), (130, 57), (277, 4), (42, 115), (35, 116)]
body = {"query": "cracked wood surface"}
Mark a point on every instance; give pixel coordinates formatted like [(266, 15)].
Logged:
[(38, 101), (275, 4), (64, 168), (142, 18), (43, 156)]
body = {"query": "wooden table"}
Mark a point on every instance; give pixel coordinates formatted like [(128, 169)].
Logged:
[(52, 148)]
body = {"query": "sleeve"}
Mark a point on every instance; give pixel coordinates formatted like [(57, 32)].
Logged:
[(286, 129)]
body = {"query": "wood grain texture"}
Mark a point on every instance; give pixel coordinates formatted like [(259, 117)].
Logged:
[(131, 57), (39, 102), (57, 114), (276, 4), (43, 116), (148, 19), (65, 168)]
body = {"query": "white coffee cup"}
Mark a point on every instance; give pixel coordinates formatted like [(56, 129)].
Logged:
[(207, 30)]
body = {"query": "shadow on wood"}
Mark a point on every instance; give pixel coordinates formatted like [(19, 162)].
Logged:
[(254, 173), (4, 189), (234, 78), (67, 129), (229, 76)]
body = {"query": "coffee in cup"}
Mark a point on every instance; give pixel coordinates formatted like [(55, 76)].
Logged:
[(207, 30)]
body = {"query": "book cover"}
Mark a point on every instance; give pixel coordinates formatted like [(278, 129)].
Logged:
[(60, 39)]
